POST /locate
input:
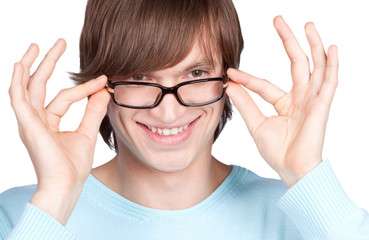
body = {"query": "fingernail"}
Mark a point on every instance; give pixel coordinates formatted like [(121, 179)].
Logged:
[(57, 42), (231, 70), (101, 77), (30, 47)]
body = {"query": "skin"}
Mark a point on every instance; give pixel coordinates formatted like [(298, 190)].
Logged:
[(178, 169), (290, 142)]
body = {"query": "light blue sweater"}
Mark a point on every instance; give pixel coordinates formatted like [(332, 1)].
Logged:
[(244, 206)]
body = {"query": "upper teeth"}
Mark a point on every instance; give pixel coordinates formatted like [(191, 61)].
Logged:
[(168, 131)]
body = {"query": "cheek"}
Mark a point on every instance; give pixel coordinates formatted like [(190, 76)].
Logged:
[(214, 113), (119, 114), (220, 107), (118, 117), (217, 110), (112, 113), (111, 109)]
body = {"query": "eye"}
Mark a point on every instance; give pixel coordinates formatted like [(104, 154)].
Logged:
[(197, 73), (138, 77)]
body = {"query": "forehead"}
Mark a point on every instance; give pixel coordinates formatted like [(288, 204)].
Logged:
[(197, 59)]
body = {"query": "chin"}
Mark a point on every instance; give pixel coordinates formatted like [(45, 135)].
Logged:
[(169, 162)]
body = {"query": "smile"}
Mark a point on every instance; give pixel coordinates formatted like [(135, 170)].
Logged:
[(169, 136), (168, 131), (165, 136)]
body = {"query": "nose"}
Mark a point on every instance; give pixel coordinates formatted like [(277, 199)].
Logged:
[(169, 110)]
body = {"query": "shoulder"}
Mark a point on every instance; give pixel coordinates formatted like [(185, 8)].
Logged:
[(17, 195), (252, 188), (254, 184), (13, 202), (253, 201)]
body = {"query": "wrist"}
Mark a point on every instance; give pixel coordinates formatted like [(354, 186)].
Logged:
[(291, 175), (317, 202), (58, 203)]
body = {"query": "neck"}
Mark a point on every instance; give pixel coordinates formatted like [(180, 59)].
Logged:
[(163, 190)]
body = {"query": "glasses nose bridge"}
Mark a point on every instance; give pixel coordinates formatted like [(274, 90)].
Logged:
[(170, 90)]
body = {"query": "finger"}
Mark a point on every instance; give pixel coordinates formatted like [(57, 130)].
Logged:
[(16, 90), (27, 60), (17, 96), (249, 111), (95, 112), (61, 103), (300, 69), (268, 91), (318, 55), (330, 81), (37, 85)]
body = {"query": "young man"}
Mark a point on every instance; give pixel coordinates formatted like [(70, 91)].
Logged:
[(160, 71)]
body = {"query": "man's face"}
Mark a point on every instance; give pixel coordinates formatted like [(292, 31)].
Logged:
[(191, 128)]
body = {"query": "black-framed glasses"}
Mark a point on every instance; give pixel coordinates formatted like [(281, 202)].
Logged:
[(144, 95)]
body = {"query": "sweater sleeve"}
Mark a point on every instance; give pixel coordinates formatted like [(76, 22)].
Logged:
[(36, 224), (321, 209)]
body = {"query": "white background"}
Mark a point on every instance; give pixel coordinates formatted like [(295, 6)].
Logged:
[(344, 23)]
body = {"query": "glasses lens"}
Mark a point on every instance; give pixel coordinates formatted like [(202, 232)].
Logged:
[(136, 95), (201, 92)]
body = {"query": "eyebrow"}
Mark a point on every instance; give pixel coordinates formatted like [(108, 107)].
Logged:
[(198, 66), (201, 64)]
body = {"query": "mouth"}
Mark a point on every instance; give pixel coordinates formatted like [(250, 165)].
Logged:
[(168, 131), (169, 136)]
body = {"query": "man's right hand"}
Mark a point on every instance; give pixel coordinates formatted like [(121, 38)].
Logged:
[(62, 160)]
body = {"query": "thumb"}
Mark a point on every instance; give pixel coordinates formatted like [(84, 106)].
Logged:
[(95, 112), (249, 111)]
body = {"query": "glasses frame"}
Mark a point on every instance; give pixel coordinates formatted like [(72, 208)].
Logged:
[(167, 90)]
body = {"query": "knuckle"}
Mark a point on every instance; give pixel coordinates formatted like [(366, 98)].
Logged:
[(300, 58), (266, 81), (63, 94), (12, 104), (84, 89), (18, 64), (68, 94)]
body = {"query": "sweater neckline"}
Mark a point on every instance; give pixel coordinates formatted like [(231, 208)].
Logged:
[(107, 197)]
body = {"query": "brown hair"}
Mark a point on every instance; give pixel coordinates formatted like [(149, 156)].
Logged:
[(123, 37)]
